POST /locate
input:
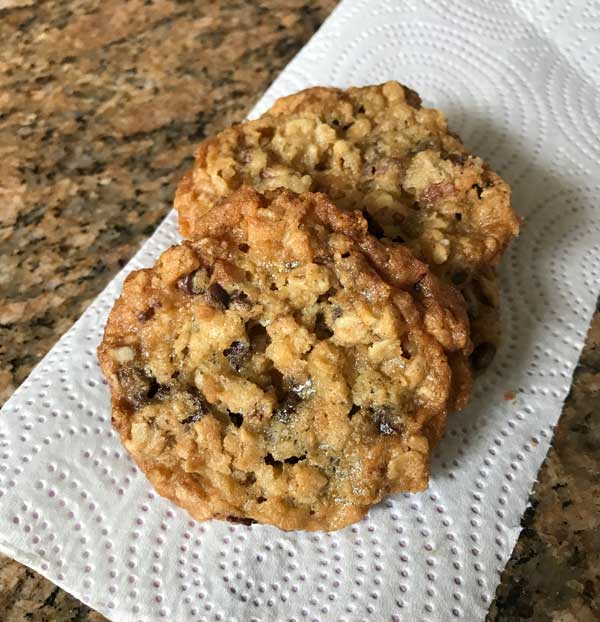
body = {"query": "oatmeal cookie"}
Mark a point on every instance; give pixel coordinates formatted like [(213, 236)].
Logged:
[(378, 150), (375, 149), (285, 366)]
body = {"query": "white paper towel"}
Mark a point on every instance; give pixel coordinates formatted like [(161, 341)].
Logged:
[(520, 83)]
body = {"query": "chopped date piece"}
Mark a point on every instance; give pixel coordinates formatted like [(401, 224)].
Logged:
[(237, 354), (136, 384), (191, 283), (202, 408), (218, 296), (382, 416), (240, 299), (147, 314), (184, 283), (287, 407)]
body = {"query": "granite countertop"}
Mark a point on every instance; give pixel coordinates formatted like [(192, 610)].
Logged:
[(101, 104)]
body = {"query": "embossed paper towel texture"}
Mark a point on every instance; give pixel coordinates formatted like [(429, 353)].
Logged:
[(519, 82)]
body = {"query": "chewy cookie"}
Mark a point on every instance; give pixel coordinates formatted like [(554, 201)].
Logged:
[(374, 149), (378, 150), (285, 366)]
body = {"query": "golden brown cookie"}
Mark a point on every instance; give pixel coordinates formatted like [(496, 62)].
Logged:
[(285, 366), (375, 149)]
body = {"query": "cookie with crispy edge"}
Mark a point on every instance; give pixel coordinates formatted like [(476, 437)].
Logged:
[(285, 366), (375, 149)]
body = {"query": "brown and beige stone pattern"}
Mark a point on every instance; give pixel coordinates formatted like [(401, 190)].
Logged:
[(101, 104)]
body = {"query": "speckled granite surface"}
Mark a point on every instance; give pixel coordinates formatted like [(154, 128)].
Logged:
[(100, 106), (554, 572)]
